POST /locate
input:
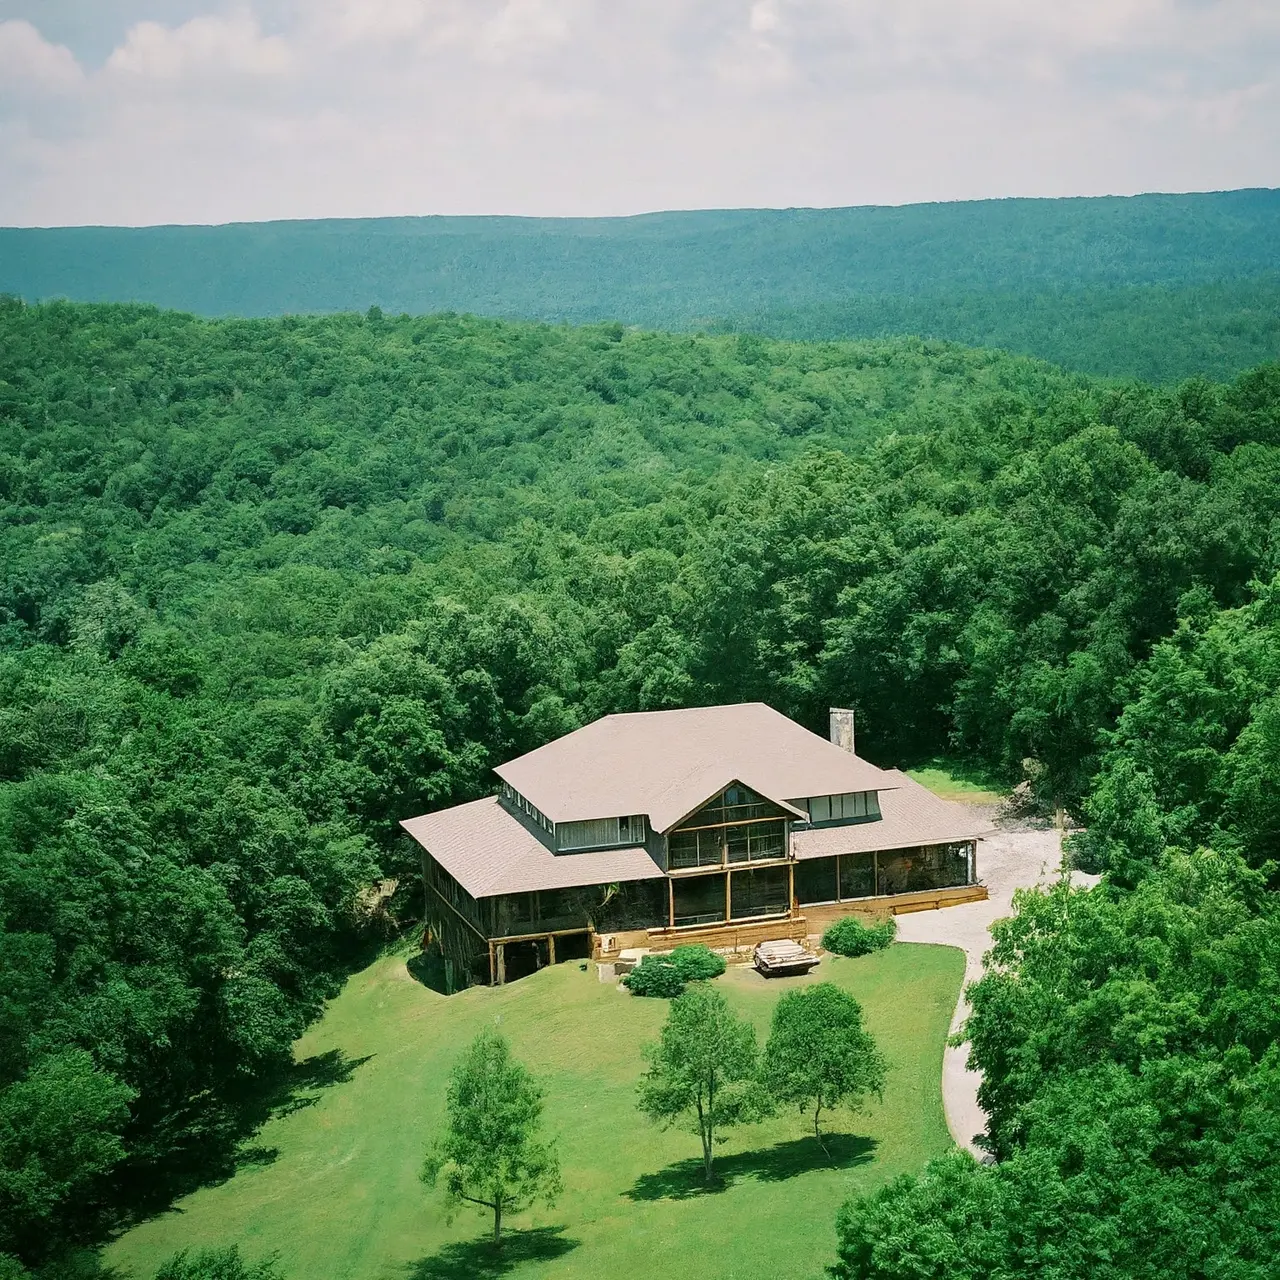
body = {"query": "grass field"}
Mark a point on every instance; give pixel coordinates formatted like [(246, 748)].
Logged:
[(953, 780), (331, 1182)]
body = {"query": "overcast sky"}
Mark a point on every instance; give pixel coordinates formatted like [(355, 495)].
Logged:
[(146, 111)]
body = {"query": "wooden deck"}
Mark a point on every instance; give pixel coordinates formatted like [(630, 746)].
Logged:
[(741, 937), (895, 904), (808, 922)]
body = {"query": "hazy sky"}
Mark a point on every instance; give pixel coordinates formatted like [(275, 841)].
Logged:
[(143, 111)]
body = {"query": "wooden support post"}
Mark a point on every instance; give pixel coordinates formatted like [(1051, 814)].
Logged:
[(792, 905), (671, 903), (875, 872), (551, 948), (493, 968), (502, 965), (728, 909)]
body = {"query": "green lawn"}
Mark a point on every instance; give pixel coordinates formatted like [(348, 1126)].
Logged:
[(955, 780), (333, 1188)]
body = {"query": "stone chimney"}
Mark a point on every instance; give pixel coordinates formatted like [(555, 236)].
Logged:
[(842, 728)]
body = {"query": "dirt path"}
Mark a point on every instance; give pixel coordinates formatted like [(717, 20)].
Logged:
[(1007, 861)]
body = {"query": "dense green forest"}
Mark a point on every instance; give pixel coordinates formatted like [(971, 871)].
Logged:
[(1161, 333), (1161, 287), (268, 585)]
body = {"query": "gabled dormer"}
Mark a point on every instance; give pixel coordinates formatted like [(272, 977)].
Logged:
[(737, 825)]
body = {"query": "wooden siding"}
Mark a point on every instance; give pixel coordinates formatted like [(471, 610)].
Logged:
[(719, 937), (894, 904)]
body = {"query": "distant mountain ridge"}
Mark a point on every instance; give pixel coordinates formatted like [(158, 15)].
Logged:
[(1161, 286)]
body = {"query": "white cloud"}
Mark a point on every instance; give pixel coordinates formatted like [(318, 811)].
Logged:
[(29, 61), (343, 107), (527, 26), (232, 43)]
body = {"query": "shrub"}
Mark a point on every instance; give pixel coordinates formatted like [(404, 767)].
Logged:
[(654, 976), (216, 1264), (665, 976), (850, 937), (696, 962)]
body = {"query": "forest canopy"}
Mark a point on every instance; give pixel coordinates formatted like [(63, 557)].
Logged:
[(267, 586)]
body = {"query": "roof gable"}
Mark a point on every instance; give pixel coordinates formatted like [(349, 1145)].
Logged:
[(783, 808)]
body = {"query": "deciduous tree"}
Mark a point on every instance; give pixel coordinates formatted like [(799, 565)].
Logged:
[(702, 1069), (491, 1154), (819, 1056)]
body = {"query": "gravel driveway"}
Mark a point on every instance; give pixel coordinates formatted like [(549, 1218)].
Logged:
[(1009, 860)]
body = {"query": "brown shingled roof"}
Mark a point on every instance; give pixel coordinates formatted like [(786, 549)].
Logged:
[(911, 815), (488, 851), (667, 763)]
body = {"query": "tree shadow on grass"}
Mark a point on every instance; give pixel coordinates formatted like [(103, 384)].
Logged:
[(684, 1179), (222, 1146), (479, 1260)]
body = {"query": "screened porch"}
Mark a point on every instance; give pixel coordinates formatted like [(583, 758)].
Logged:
[(848, 876)]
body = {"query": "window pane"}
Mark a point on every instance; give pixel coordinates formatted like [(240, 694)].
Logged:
[(699, 899), (857, 876), (768, 840), (933, 867), (820, 809), (711, 847), (907, 871), (712, 814), (760, 892), (738, 842), (816, 881), (873, 804), (682, 849)]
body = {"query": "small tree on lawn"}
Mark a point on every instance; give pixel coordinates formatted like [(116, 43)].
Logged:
[(702, 1069), (819, 1055), (491, 1155)]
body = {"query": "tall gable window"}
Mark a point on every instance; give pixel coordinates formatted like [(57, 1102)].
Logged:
[(734, 804), (852, 806), (737, 826)]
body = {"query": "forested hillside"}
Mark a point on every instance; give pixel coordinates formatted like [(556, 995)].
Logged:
[(1160, 287), (268, 585)]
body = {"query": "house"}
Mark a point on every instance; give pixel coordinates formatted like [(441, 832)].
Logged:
[(730, 825)]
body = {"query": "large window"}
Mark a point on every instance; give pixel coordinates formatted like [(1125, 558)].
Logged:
[(703, 848), (857, 875), (936, 866), (713, 846), (816, 881), (850, 806), (736, 827), (699, 899), (759, 892), (866, 875), (851, 875)]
